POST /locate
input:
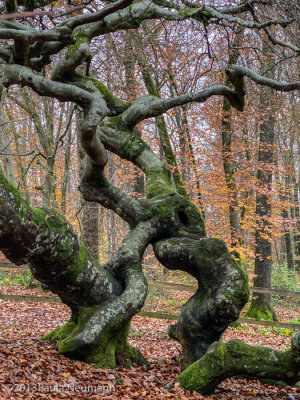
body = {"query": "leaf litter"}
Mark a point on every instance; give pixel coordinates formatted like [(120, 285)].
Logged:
[(33, 369)]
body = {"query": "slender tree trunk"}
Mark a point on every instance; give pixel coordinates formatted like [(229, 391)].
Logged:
[(5, 146), (66, 175), (261, 304), (46, 139), (159, 120), (129, 62), (89, 220), (227, 156), (23, 178), (297, 229), (287, 234), (183, 129)]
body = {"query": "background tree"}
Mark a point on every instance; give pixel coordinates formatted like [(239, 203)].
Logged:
[(261, 306)]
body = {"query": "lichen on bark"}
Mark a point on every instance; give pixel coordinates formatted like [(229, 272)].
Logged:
[(57, 258), (222, 292)]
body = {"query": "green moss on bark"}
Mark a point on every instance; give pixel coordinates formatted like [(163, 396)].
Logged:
[(111, 349), (13, 192), (260, 309), (112, 101), (223, 360), (81, 38), (79, 263), (239, 295), (186, 13), (158, 183)]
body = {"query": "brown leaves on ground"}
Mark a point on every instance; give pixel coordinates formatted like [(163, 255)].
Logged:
[(33, 370)]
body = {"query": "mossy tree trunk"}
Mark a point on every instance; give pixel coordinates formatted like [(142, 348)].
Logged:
[(60, 260), (165, 215), (224, 360)]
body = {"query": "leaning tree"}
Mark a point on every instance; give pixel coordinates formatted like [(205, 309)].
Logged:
[(104, 298)]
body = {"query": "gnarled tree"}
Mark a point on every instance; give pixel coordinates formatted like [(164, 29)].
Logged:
[(104, 298)]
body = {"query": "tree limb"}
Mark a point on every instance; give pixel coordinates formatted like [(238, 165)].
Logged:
[(237, 72), (94, 106), (150, 106)]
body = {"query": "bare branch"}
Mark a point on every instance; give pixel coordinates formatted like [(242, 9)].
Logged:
[(247, 24), (150, 106), (28, 35), (31, 14), (96, 16), (237, 72)]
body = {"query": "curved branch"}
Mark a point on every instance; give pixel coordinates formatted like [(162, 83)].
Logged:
[(116, 137), (245, 6), (95, 187), (56, 34), (150, 106), (94, 106), (236, 72), (72, 23), (247, 24), (273, 38), (15, 25), (17, 74), (69, 64), (280, 42)]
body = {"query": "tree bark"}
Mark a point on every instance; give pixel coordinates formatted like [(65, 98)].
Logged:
[(224, 360), (5, 150), (222, 292), (65, 266), (297, 226)]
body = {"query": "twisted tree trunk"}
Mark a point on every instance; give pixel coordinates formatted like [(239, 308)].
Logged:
[(60, 260), (103, 299)]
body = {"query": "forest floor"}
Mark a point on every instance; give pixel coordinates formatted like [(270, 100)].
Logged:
[(32, 369)]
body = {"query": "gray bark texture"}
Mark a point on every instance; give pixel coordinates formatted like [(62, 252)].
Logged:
[(104, 298)]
